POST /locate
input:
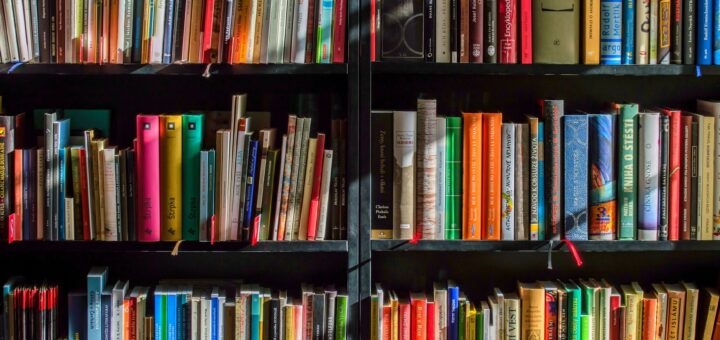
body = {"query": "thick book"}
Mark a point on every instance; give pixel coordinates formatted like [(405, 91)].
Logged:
[(706, 163), (591, 32), (406, 44), (522, 182), (404, 149), (477, 30), (491, 176), (507, 205), (382, 174), (426, 164), (648, 177), (454, 178), (642, 32), (552, 111), (628, 32), (711, 108), (507, 31), (676, 310), (575, 160), (532, 302), (472, 160), (171, 177), (557, 27), (148, 170), (627, 176), (602, 197), (611, 32), (192, 127), (7, 169), (705, 15)]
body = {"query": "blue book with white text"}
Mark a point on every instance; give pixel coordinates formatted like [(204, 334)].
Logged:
[(704, 32), (628, 32), (250, 189), (611, 32), (453, 293), (716, 31), (575, 165), (96, 279), (171, 312)]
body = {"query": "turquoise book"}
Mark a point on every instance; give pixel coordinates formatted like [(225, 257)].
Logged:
[(575, 166), (96, 279), (255, 316), (627, 176), (192, 125), (611, 32)]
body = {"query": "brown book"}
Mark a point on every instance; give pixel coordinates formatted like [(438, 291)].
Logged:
[(691, 308), (465, 30), (621, 318), (477, 32), (708, 312), (649, 320), (685, 175), (310, 40), (716, 332), (676, 311), (60, 32)]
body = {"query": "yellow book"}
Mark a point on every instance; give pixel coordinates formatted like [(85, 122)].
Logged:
[(98, 193), (289, 322), (307, 189), (632, 303), (709, 311), (691, 306), (394, 317), (591, 31), (639, 309), (470, 322), (170, 177), (145, 47), (532, 317), (707, 162)]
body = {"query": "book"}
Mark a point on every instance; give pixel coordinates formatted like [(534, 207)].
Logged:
[(507, 205), (110, 227), (477, 31), (591, 32), (685, 177), (490, 15), (653, 36), (689, 26), (628, 145), (522, 182), (148, 169), (663, 182), (642, 32), (426, 164), (676, 310), (611, 32), (552, 111), (325, 195), (382, 178), (704, 32), (454, 179), (407, 46), (96, 280), (648, 178), (472, 161), (534, 178), (575, 132), (491, 176), (706, 150), (507, 31), (707, 312), (559, 22), (712, 109), (441, 176), (663, 42), (192, 127), (532, 301), (171, 173), (675, 151), (691, 310), (602, 198), (404, 174), (442, 31), (628, 32), (307, 189)]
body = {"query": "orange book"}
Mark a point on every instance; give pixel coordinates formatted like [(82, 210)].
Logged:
[(649, 316), (18, 208), (419, 316), (113, 39), (472, 176), (492, 125), (239, 48), (104, 42), (386, 322)]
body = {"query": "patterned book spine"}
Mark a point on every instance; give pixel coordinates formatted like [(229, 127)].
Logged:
[(628, 145), (522, 182), (642, 32), (472, 151), (492, 175), (575, 129), (426, 179), (704, 32), (663, 54), (610, 32), (441, 177), (649, 165), (552, 111), (628, 32), (404, 174), (675, 174), (287, 172), (602, 177), (663, 187), (542, 221), (453, 183), (534, 193), (507, 205)]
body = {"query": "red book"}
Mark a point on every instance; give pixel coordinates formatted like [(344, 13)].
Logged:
[(526, 31), (430, 324), (373, 29), (418, 317), (404, 319), (207, 30), (315, 196), (386, 322), (131, 317), (685, 176), (148, 179), (674, 187), (84, 196), (507, 31), (615, 317), (339, 31)]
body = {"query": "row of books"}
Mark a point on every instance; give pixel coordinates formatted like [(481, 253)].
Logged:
[(30, 310), (623, 174), (588, 309), (173, 31), (167, 187), (561, 32)]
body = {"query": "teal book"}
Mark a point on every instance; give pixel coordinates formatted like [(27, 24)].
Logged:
[(192, 125), (255, 302), (453, 179), (627, 176), (96, 279), (574, 304), (82, 119)]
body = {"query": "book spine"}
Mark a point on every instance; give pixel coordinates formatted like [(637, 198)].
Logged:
[(426, 164), (177, 29), (534, 193), (628, 145), (250, 191), (148, 169), (707, 176), (653, 40), (131, 176), (628, 32), (471, 147), (542, 207), (688, 31), (454, 31), (552, 111), (675, 175), (602, 204), (107, 157), (339, 31), (704, 32), (490, 24), (313, 7), (694, 179), (464, 30), (40, 193), (610, 32), (286, 178), (95, 285), (325, 197), (663, 186), (676, 31), (429, 30), (526, 36), (171, 183), (293, 179), (158, 30), (212, 173), (324, 32), (454, 179), (477, 27), (6, 171), (591, 32), (77, 209), (404, 174), (453, 312), (575, 132), (191, 144), (685, 169), (507, 205), (649, 162), (442, 31), (642, 32), (507, 31), (664, 12), (314, 212), (522, 182), (24, 187), (441, 177), (491, 176), (301, 179)]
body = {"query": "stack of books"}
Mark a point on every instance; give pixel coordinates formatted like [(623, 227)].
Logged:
[(622, 174), (586, 309), (609, 32), (254, 185), (173, 31), (30, 310)]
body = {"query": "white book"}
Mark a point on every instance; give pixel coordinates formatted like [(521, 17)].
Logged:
[(441, 173), (404, 149), (156, 40), (119, 52), (203, 196), (442, 31), (300, 31), (110, 211), (499, 314), (508, 182), (493, 331), (441, 304), (642, 32), (118, 316), (649, 165), (10, 26), (485, 311), (205, 315), (238, 185), (4, 48), (21, 31), (251, 31), (69, 219), (279, 46), (426, 168), (290, 219), (278, 188), (653, 58), (324, 195), (712, 108), (31, 20)]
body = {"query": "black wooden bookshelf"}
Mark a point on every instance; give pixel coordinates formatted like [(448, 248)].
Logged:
[(201, 70)]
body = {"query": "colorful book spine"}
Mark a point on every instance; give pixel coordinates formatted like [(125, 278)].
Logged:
[(716, 31), (507, 205), (694, 178), (192, 125), (664, 177), (648, 176), (324, 33), (315, 192), (552, 111), (628, 145), (611, 32), (491, 175), (507, 31), (453, 312), (454, 179), (426, 176), (534, 193), (472, 151), (148, 181), (602, 204), (628, 32), (642, 32), (575, 132), (675, 174), (542, 221), (171, 177), (522, 182), (663, 44), (591, 32), (704, 32)]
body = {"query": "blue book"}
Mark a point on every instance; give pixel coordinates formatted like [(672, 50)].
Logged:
[(61, 194), (167, 39), (96, 279), (610, 32), (628, 32), (541, 182), (138, 10), (704, 32), (211, 186), (603, 177), (181, 310), (159, 320), (77, 312), (255, 315), (250, 189), (106, 313), (453, 294), (575, 165), (171, 310), (324, 34), (215, 315), (716, 32), (7, 295), (61, 136)]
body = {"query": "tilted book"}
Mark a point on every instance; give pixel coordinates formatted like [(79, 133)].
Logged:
[(404, 130), (575, 160)]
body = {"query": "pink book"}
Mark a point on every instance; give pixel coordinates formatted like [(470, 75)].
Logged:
[(315, 196), (148, 179)]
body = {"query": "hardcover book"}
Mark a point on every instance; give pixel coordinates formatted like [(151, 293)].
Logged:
[(472, 161), (575, 131), (171, 179), (454, 181), (402, 30), (404, 149), (534, 180), (648, 177), (148, 183), (602, 201), (556, 25), (610, 32), (642, 32), (491, 176), (627, 177), (591, 32), (704, 32), (711, 108), (507, 31), (628, 32), (191, 145), (441, 177), (426, 163), (522, 182), (382, 174), (507, 205), (552, 111)]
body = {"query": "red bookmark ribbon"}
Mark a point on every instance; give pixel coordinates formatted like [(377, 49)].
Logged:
[(416, 237), (575, 253), (256, 226), (212, 229)]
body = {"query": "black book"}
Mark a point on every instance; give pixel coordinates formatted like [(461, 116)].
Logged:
[(267, 316), (402, 30), (378, 29), (330, 297), (138, 12), (381, 158), (676, 32), (490, 13), (695, 170), (106, 314), (274, 319), (26, 227), (664, 176), (45, 19), (318, 320), (337, 212), (429, 34), (688, 32), (130, 182), (454, 31), (178, 29)]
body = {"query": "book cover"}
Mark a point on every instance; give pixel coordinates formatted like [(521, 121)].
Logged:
[(711, 108), (532, 302), (171, 177), (96, 280), (557, 27), (627, 176), (628, 32), (110, 227), (472, 160), (491, 176), (250, 191), (611, 32), (591, 31), (648, 177), (689, 16), (675, 173), (382, 174), (602, 199), (338, 32), (325, 196), (664, 181), (575, 132), (522, 182), (685, 176), (404, 149), (542, 207), (7, 171), (324, 47), (148, 186), (454, 180), (534, 180), (490, 17), (192, 127), (552, 111), (663, 43), (441, 176), (676, 311), (642, 32), (691, 310), (705, 30), (426, 164), (507, 31), (507, 203), (706, 154)]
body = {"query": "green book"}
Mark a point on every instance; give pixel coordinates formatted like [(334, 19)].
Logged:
[(453, 179), (461, 318), (574, 304), (267, 199), (341, 317), (586, 327), (628, 171), (192, 125), (479, 324)]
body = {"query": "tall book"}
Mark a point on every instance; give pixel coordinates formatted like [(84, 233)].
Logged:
[(472, 160), (552, 111), (109, 174), (307, 187), (507, 31), (602, 200), (627, 177), (711, 108), (663, 183), (675, 174), (491, 176), (148, 180), (532, 302), (628, 32), (171, 177), (325, 195), (591, 32), (426, 177), (441, 176), (685, 176), (642, 32), (442, 31), (293, 122), (704, 32), (382, 174), (559, 23), (507, 205), (454, 180), (663, 43), (706, 176), (522, 182), (477, 30), (534, 179), (192, 127), (689, 11), (611, 32), (575, 132), (648, 177), (491, 31), (676, 31), (707, 312), (404, 149), (7, 169)]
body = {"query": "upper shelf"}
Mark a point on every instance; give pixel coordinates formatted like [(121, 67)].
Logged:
[(541, 246), (167, 247), (445, 69), (174, 69)]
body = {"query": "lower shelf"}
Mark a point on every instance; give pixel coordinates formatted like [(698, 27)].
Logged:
[(541, 246), (185, 246)]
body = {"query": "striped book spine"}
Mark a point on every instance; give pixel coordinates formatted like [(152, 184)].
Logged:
[(440, 177), (552, 111), (610, 32), (575, 130), (453, 182), (426, 176), (627, 177), (648, 176), (534, 193), (602, 177)]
